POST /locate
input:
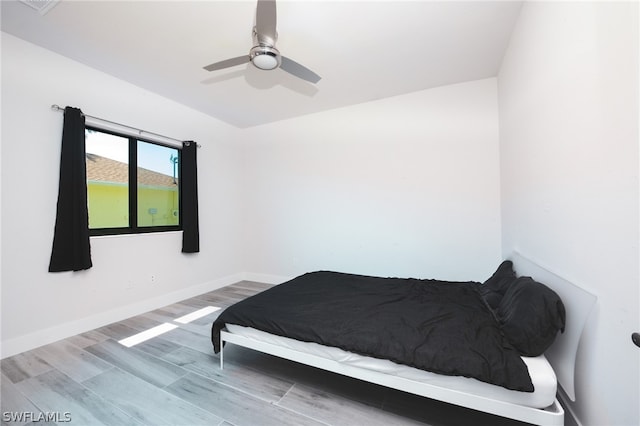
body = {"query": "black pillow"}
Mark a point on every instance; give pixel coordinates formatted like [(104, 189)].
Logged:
[(530, 315), (495, 287)]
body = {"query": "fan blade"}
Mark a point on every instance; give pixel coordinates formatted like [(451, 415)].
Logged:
[(266, 22), (228, 63), (300, 71)]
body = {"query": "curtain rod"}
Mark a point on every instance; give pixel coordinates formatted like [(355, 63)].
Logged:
[(139, 131)]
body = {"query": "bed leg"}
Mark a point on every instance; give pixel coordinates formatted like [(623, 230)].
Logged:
[(221, 355)]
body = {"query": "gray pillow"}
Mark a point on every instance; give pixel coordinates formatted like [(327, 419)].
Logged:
[(530, 314), (496, 286)]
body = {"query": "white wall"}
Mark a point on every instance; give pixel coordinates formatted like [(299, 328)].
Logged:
[(405, 186), (568, 97), (38, 306)]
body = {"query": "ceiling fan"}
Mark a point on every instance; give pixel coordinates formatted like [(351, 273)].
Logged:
[(264, 54)]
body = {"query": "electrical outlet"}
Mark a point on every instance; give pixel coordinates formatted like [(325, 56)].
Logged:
[(129, 285), (153, 279)]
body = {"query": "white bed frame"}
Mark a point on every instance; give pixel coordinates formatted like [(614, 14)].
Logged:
[(561, 355)]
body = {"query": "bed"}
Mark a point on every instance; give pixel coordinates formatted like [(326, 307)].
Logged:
[(448, 341)]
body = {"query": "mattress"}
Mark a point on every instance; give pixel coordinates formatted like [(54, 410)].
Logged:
[(542, 375)]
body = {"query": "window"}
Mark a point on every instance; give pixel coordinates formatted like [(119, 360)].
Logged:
[(133, 185)]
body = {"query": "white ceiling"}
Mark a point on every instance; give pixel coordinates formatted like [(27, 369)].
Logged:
[(364, 50)]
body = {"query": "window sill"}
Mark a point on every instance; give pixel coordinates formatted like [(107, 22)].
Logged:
[(141, 234)]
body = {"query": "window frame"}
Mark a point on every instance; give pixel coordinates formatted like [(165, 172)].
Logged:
[(133, 227)]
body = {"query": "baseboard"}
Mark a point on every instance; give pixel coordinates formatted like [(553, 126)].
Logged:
[(53, 334), (265, 278), (570, 418)]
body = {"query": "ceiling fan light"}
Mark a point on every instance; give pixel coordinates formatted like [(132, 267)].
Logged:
[(265, 57), (265, 62)]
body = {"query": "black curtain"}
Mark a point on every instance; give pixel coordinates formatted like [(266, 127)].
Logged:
[(189, 193), (71, 250)]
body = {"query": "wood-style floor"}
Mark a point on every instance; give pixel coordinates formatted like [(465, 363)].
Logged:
[(175, 379)]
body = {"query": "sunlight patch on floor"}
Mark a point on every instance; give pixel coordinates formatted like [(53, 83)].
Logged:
[(156, 331), (147, 334), (197, 314)]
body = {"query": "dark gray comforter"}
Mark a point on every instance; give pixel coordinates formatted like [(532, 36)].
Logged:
[(438, 326)]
